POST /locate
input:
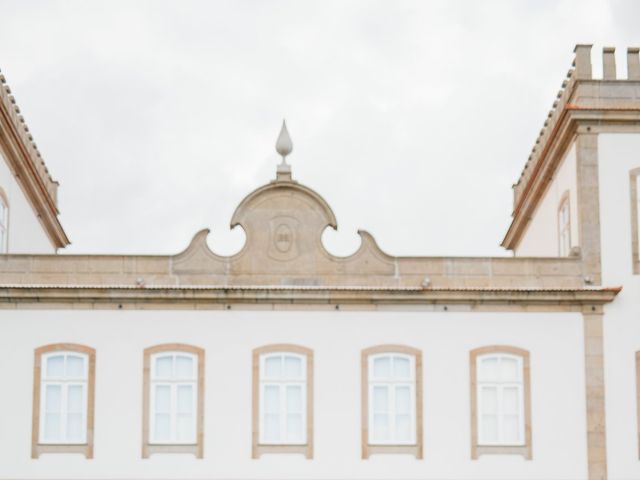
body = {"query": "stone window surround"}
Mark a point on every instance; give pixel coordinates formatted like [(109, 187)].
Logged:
[(635, 232), (368, 449), (86, 449), (148, 449), (476, 449), (4, 199), (258, 449), (565, 199)]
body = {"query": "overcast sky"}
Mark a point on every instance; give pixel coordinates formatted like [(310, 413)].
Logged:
[(412, 119)]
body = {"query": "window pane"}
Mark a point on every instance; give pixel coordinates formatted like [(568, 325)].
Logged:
[(164, 366), (271, 428), (510, 428), (403, 428), (403, 400), (510, 401), (185, 428), (163, 399), (382, 367), (163, 427), (75, 430), (488, 370), (509, 369), (489, 426), (53, 398), (380, 427), (293, 367), (55, 366), (273, 367), (75, 366), (380, 399), (489, 397), (294, 427), (271, 399), (184, 367), (74, 399), (401, 367), (294, 399), (185, 399), (52, 426)]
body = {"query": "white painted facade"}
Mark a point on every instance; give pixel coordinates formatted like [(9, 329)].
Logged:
[(444, 308), (618, 155), (336, 337), (25, 232), (541, 236)]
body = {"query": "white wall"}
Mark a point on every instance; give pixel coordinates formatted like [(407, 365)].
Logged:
[(540, 239), (26, 234), (617, 155), (555, 341)]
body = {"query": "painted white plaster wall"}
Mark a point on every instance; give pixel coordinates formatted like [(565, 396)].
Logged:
[(26, 234), (617, 155), (541, 236), (555, 341)]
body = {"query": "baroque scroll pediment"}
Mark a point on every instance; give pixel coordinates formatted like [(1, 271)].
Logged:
[(283, 222)]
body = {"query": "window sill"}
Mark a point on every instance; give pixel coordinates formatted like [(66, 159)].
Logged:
[(43, 448), (524, 450), (262, 449), (194, 449), (415, 450)]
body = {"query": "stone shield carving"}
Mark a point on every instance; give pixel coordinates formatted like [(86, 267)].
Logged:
[(283, 244)]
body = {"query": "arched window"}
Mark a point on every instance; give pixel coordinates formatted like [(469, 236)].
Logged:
[(283, 399), (392, 417), (500, 409), (4, 222), (63, 400), (173, 377), (564, 226)]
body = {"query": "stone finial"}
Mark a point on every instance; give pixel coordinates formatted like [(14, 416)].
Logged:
[(284, 146), (633, 63), (582, 62), (609, 63)]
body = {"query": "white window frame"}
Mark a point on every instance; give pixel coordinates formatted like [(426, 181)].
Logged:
[(564, 228), (500, 386), (173, 383), (64, 383), (282, 383), (391, 383)]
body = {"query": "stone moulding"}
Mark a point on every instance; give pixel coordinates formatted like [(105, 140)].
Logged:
[(28, 168), (221, 297)]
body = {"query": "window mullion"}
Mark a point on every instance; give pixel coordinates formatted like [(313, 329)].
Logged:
[(392, 412), (63, 411), (500, 388), (173, 411), (284, 437)]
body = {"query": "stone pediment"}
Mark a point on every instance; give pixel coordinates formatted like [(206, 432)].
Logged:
[(283, 222)]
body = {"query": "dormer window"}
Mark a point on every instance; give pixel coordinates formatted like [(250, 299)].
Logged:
[(564, 227)]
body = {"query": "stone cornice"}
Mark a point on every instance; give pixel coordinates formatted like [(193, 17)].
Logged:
[(16, 145), (225, 297), (594, 118)]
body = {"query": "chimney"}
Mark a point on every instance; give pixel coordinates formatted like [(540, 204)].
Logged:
[(582, 62), (633, 63), (609, 63)]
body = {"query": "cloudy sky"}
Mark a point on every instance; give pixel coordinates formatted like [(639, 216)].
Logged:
[(411, 118)]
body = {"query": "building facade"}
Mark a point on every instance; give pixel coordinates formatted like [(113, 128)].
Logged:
[(284, 361)]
